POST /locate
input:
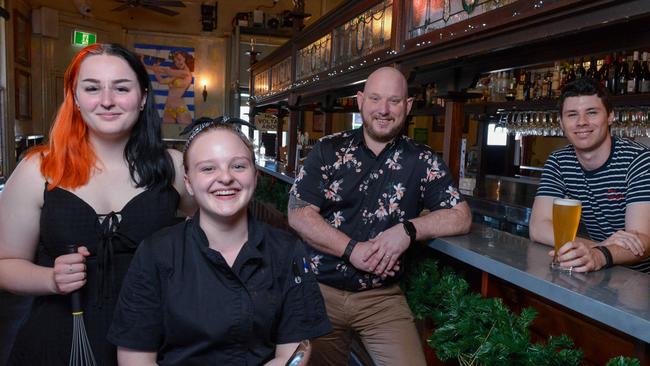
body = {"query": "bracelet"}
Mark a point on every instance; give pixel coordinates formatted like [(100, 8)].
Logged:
[(348, 250), (410, 230), (609, 261)]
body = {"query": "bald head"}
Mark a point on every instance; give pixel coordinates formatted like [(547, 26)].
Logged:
[(387, 77)]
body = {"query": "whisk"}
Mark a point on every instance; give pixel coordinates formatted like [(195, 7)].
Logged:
[(81, 353)]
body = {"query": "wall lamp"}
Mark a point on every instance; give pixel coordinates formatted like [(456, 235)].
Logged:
[(205, 90)]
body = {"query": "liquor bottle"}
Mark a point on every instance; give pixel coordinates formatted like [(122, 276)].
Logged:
[(528, 86), (571, 74), (548, 82), (503, 86), (428, 95), (436, 99), (511, 91), (535, 87), (622, 75), (634, 78), (521, 85), (580, 70), (603, 73), (420, 95), (555, 87), (645, 75), (613, 74), (591, 71)]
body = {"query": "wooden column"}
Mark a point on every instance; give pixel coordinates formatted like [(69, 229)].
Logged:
[(278, 138), (251, 118), (295, 117), (454, 120), (251, 91)]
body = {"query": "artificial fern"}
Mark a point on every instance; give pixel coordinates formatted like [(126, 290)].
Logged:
[(478, 331), (623, 361)]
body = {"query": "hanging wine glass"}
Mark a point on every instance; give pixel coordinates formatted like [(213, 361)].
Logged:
[(645, 117), (546, 127), (624, 121)]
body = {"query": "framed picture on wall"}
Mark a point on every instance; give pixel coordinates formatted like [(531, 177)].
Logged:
[(23, 95), (22, 43), (318, 123), (171, 70)]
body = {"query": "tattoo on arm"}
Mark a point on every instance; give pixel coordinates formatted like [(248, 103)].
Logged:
[(295, 202)]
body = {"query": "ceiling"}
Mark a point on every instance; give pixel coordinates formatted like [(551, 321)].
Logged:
[(189, 19)]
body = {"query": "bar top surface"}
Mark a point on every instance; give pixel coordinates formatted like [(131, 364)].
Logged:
[(618, 297), (272, 168)]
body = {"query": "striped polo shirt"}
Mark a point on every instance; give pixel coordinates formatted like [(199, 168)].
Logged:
[(604, 192)]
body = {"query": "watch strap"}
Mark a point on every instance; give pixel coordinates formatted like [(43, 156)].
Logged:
[(410, 230), (609, 261), (348, 250)]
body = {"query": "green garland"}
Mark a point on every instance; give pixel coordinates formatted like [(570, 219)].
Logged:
[(623, 361), (482, 331)]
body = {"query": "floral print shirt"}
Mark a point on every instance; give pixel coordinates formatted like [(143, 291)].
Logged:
[(363, 194)]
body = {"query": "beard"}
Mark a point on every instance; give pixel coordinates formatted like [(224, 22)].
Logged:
[(381, 136)]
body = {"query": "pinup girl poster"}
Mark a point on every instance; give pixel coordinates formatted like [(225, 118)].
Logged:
[(170, 70)]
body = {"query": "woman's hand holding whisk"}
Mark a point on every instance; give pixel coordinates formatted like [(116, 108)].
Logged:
[(70, 271)]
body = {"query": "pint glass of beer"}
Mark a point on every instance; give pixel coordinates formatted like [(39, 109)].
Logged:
[(566, 217)]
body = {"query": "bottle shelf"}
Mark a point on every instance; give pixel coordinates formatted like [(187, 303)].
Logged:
[(639, 99)]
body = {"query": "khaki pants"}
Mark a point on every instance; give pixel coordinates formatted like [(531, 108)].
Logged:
[(383, 320)]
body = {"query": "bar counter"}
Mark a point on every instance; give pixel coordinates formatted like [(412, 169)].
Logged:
[(276, 170), (618, 297)]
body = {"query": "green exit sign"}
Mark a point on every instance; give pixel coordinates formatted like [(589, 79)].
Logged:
[(80, 38)]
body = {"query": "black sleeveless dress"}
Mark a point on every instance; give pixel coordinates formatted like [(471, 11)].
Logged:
[(46, 337)]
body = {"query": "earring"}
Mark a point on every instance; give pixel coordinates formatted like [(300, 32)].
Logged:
[(142, 108)]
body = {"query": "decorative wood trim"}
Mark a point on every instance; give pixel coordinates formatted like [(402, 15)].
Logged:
[(23, 94), (22, 39)]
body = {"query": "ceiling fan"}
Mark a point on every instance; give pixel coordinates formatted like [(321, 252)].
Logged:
[(155, 5)]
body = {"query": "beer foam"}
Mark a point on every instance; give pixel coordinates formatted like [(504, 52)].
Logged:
[(566, 202)]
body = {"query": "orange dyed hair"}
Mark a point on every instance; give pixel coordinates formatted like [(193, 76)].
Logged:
[(68, 157)]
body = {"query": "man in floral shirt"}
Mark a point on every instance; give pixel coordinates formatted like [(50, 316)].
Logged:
[(357, 202)]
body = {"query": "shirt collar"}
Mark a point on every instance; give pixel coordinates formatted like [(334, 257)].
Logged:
[(252, 247), (358, 140)]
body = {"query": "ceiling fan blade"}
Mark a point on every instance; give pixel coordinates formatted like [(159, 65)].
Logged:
[(172, 3), (160, 10), (122, 7)]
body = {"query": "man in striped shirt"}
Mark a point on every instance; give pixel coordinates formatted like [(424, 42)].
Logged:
[(610, 176)]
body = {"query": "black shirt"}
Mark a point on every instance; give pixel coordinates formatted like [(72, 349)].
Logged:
[(181, 299), (362, 195)]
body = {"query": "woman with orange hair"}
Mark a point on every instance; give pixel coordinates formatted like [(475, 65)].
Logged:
[(103, 182)]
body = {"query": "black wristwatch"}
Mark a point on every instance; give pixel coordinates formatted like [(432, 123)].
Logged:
[(410, 230), (348, 250), (609, 261)]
